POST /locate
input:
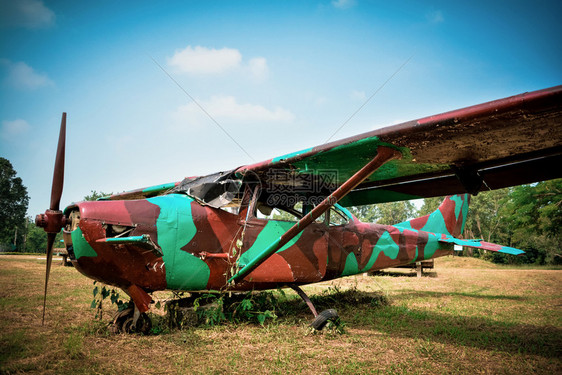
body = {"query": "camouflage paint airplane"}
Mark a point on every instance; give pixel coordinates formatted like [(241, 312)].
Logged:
[(210, 232)]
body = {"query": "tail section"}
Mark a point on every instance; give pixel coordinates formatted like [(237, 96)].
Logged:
[(449, 218), (447, 224)]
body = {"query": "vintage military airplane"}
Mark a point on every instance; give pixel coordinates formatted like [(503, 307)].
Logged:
[(216, 232)]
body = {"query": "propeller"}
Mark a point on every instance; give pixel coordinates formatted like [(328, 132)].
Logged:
[(53, 220)]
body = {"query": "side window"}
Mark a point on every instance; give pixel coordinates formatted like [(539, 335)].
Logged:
[(338, 217), (284, 214), (270, 213)]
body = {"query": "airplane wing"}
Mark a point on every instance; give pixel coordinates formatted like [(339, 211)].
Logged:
[(506, 142)]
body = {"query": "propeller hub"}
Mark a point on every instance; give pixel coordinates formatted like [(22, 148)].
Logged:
[(51, 221)]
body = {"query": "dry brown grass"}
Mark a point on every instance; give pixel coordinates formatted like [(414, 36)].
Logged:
[(466, 316)]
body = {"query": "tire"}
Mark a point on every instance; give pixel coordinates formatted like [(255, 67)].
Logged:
[(143, 326), (323, 318), (123, 322)]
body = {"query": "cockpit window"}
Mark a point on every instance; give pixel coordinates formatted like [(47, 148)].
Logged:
[(279, 213), (339, 215)]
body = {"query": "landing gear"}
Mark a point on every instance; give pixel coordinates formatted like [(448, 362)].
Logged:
[(131, 320), (320, 320)]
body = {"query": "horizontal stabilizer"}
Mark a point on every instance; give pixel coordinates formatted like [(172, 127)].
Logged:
[(478, 244)]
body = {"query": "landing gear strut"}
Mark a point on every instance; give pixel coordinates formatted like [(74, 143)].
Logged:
[(131, 320), (320, 320)]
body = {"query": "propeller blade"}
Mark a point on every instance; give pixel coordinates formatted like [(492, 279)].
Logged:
[(52, 221), (50, 243), (58, 174)]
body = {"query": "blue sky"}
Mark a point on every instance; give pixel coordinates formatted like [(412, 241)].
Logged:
[(278, 76)]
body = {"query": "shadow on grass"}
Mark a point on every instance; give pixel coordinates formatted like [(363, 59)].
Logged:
[(216, 309), (476, 294), (358, 310), (478, 332), (403, 274), (372, 312)]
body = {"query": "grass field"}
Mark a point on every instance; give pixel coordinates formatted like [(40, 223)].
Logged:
[(466, 316)]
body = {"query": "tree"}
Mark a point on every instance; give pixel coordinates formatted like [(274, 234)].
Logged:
[(13, 203), (367, 213), (396, 212), (36, 241), (485, 220), (385, 213), (534, 217), (95, 195)]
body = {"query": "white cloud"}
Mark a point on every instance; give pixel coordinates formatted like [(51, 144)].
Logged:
[(11, 129), (32, 14), (227, 109), (22, 76), (205, 61), (201, 60), (343, 4), (435, 16)]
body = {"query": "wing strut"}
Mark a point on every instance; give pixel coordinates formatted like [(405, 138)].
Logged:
[(384, 154)]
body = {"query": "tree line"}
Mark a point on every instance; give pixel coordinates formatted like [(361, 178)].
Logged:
[(18, 232), (528, 217)]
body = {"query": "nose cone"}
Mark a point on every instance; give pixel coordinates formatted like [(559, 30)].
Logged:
[(94, 229)]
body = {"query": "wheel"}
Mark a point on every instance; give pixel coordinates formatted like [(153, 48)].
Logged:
[(123, 322), (143, 326), (119, 318), (322, 318)]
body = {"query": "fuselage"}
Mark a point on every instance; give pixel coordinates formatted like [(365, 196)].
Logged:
[(174, 242)]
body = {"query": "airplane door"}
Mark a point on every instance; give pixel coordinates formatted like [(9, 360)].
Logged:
[(344, 248), (303, 259)]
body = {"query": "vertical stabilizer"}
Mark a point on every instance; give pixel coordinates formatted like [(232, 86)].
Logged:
[(449, 218)]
